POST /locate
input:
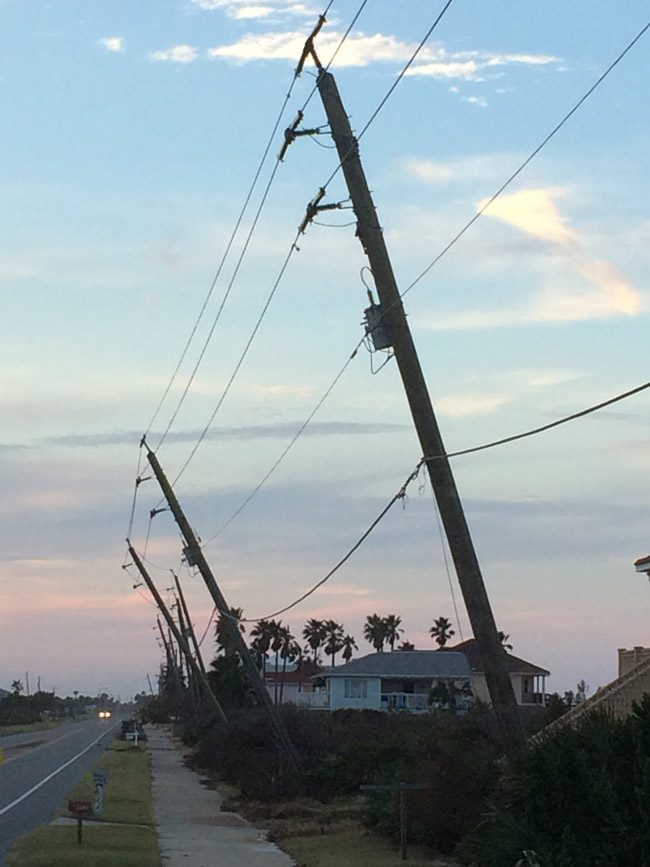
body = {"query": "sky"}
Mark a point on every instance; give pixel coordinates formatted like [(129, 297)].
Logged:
[(131, 136)]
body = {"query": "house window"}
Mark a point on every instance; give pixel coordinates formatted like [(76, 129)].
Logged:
[(526, 685), (355, 688)]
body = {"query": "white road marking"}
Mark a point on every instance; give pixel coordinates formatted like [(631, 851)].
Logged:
[(53, 774)]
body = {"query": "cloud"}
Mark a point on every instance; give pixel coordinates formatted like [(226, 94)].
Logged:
[(467, 69), (360, 50), (300, 391), (177, 54), (356, 50), (250, 9), (283, 430), (463, 405), (469, 65), (484, 167), (598, 290), (479, 101), (534, 212), (112, 43)]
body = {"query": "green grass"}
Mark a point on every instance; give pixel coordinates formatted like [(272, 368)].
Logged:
[(38, 726), (102, 846), (127, 802), (350, 848)]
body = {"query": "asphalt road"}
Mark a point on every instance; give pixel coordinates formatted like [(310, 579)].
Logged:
[(40, 769)]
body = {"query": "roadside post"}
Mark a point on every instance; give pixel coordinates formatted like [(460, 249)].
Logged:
[(100, 779), (80, 810), (402, 788)]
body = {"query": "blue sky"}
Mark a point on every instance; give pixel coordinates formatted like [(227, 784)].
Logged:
[(131, 136)]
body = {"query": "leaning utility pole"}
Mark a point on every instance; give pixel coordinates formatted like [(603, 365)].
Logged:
[(194, 556), (188, 624), (451, 511), (180, 639), (169, 656)]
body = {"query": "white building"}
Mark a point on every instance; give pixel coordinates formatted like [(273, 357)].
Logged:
[(528, 680), (400, 680)]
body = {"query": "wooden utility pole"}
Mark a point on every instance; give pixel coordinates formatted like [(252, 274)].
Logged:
[(194, 555), (169, 656), (451, 510), (188, 624), (180, 639)]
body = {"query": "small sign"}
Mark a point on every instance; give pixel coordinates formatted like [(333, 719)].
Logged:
[(80, 809), (100, 778)]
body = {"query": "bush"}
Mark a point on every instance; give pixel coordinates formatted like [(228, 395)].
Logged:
[(579, 799)]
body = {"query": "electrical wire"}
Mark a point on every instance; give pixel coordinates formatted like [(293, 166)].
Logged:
[(207, 628), (398, 496), (288, 448), (545, 427), (221, 265), (243, 252), (445, 558), (336, 51), (237, 367), (528, 159), (390, 91)]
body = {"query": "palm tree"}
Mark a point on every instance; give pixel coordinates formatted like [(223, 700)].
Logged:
[(17, 687), (374, 631), (441, 631), (261, 641), (223, 630), (277, 632), (314, 635), (333, 635), (289, 652), (348, 646), (392, 624)]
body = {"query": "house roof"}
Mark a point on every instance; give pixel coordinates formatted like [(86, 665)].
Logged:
[(4, 693), (404, 663), (643, 564), (303, 674), (515, 664)]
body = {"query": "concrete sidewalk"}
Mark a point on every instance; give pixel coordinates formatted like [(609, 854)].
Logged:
[(192, 831)]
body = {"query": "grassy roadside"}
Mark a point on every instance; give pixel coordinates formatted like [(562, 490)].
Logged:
[(351, 847), (326, 835), (130, 841), (40, 726)]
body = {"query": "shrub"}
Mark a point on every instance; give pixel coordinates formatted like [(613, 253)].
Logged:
[(579, 799)]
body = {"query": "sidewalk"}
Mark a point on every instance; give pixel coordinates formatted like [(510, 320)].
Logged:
[(192, 832)]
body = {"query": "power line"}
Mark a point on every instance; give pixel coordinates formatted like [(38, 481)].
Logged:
[(545, 427), (231, 283), (207, 628), (244, 249), (220, 268), (336, 51), (528, 159), (402, 492), (368, 123), (246, 349), (398, 496), (389, 93), (287, 448)]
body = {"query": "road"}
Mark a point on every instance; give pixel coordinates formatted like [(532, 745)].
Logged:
[(40, 769)]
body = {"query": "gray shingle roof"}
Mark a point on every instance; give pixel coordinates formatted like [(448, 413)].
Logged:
[(405, 663), (514, 664)]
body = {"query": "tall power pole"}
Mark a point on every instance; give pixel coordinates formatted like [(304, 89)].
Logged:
[(180, 638), (442, 480), (188, 624), (194, 555)]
